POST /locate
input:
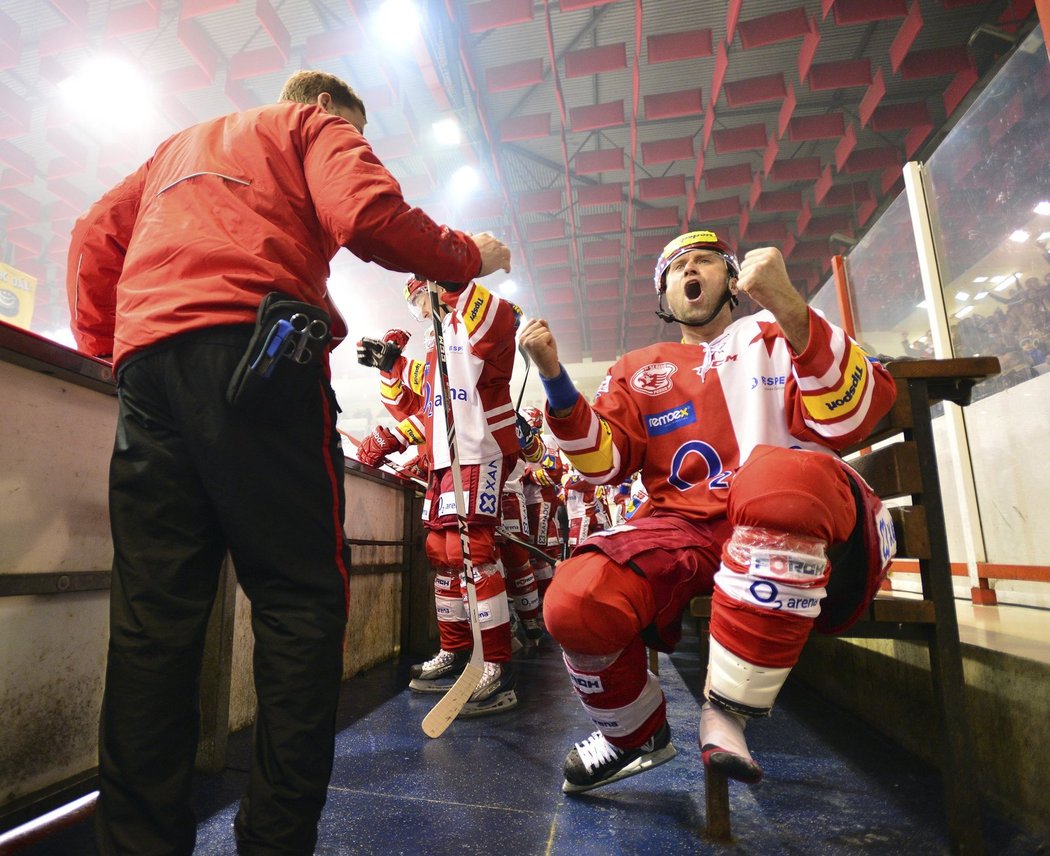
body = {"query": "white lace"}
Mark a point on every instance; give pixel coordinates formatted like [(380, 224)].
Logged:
[(595, 751), (442, 658), (490, 675)]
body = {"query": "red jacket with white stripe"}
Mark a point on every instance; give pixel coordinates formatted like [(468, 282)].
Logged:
[(689, 415), (233, 208), (479, 344)]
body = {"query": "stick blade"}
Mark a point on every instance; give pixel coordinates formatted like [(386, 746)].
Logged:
[(452, 702)]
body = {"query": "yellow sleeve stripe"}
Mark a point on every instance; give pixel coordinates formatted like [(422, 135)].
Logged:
[(476, 308), (416, 373), (597, 461), (847, 396), (411, 432), (391, 392)]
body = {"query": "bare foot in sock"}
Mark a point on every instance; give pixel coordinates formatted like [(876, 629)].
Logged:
[(723, 746)]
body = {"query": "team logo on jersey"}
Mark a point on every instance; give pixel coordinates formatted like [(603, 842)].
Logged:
[(670, 420), (653, 379), (715, 355)]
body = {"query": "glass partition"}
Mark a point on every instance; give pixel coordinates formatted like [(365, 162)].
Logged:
[(826, 302), (989, 196), (988, 190), (883, 273)]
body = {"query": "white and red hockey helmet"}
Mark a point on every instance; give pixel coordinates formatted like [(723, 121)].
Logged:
[(701, 239), (416, 297)]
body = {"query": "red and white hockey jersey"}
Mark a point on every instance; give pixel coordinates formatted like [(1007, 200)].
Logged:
[(479, 344), (689, 415)]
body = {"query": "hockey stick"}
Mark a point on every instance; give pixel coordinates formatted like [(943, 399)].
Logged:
[(525, 545), (452, 702), (563, 530), (524, 380)]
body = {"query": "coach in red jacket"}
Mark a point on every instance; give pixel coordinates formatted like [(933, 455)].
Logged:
[(166, 275)]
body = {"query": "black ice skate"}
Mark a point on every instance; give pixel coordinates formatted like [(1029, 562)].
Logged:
[(438, 673), (494, 694), (596, 762)]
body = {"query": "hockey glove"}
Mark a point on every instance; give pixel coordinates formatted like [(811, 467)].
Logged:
[(377, 445), (419, 467), (532, 448), (382, 354)]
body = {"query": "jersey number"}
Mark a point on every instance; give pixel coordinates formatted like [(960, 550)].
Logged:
[(717, 477)]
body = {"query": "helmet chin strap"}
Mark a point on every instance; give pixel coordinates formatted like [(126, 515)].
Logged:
[(727, 297)]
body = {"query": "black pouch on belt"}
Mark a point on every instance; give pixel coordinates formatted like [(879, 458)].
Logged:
[(283, 356)]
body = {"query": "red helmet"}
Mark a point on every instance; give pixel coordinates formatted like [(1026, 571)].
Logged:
[(534, 416), (699, 240)]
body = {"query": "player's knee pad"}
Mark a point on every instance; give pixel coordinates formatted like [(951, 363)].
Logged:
[(595, 606), (792, 490), (491, 593), (737, 685), (774, 570), (542, 571), (448, 601), (521, 585)]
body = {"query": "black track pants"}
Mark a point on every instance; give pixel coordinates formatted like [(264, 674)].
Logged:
[(190, 479)]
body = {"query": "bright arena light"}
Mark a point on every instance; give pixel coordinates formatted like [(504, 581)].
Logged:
[(1042, 208), (108, 95), (463, 182), (962, 295), (508, 288), (396, 23), (1020, 236), (447, 132)]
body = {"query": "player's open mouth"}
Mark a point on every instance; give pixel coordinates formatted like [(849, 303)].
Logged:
[(693, 289)]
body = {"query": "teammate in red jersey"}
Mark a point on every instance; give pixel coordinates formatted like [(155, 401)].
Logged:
[(734, 430)]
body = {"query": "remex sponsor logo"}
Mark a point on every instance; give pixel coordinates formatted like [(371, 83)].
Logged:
[(670, 420), (847, 396)]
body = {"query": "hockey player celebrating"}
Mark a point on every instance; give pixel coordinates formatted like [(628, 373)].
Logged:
[(734, 431), (479, 329)]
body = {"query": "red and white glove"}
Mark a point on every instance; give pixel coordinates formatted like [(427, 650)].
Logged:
[(399, 338), (378, 444), (419, 467)]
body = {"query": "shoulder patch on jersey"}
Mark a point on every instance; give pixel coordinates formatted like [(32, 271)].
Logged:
[(670, 420), (653, 379)]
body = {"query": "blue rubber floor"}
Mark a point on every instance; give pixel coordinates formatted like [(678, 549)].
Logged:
[(493, 785)]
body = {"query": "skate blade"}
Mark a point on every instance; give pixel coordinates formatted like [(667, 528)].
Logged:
[(638, 765), (420, 686), (497, 704)]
